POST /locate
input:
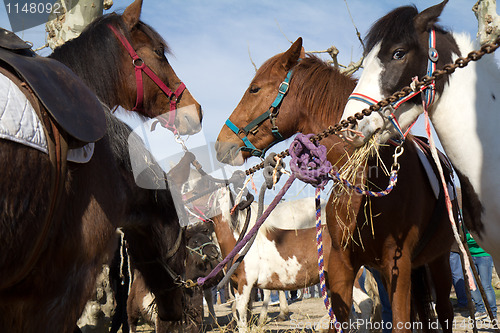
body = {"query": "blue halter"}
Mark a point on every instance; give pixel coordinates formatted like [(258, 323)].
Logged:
[(270, 114)]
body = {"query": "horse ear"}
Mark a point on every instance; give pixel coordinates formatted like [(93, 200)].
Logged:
[(132, 14), (292, 55), (426, 19)]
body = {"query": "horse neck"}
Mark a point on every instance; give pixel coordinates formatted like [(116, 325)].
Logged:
[(224, 233), (317, 100), (465, 116), (96, 60)]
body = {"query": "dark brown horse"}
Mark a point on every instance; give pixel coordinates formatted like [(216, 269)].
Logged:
[(409, 228), (49, 295), (203, 256)]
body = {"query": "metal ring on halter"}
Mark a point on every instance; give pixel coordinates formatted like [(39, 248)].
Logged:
[(135, 64)]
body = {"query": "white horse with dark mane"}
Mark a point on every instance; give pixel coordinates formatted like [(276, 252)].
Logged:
[(465, 112)]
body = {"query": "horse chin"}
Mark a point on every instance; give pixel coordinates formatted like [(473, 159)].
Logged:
[(188, 120), (229, 153)]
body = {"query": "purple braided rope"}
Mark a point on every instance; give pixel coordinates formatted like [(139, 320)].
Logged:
[(321, 263), (309, 162), (250, 233)]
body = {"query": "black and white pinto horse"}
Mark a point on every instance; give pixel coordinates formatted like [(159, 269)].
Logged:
[(464, 113)]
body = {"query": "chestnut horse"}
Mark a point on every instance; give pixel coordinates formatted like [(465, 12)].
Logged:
[(409, 227), (464, 112), (97, 197)]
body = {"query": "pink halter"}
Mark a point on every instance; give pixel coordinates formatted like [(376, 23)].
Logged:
[(140, 66)]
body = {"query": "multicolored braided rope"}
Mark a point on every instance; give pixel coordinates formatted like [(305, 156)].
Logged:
[(392, 182), (321, 263), (309, 164)]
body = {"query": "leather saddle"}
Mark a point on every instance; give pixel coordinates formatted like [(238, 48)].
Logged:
[(423, 143), (69, 101)]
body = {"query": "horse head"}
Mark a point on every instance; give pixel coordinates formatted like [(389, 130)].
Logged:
[(253, 126), (145, 81), (401, 46), (203, 254)]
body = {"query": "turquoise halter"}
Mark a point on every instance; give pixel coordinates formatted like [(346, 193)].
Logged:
[(270, 114)]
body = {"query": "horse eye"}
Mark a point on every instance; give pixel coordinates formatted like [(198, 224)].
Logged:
[(160, 52), (398, 54), (254, 90)]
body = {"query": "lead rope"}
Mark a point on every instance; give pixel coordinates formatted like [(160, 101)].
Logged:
[(321, 263), (427, 100), (447, 198)]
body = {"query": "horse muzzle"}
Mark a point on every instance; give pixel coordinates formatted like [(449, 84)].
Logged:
[(229, 153)]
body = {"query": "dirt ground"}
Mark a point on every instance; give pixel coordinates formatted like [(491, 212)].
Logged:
[(305, 316)]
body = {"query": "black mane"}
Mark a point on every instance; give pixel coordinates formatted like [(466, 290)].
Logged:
[(95, 56), (396, 26)]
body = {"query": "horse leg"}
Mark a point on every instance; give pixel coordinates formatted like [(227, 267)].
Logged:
[(265, 306), (242, 302), (284, 311), (340, 284), (212, 317), (441, 277), (400, 294)]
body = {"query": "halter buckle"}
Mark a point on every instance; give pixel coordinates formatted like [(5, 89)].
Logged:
[(283, 88)]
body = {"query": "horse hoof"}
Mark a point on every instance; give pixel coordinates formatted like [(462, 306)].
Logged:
[(282, 317)]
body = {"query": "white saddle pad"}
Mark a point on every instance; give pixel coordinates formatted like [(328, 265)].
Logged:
[(20, 123)]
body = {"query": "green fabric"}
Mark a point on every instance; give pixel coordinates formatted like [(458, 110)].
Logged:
[(475, 250)]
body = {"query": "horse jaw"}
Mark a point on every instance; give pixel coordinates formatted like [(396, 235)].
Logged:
[(188, 119)]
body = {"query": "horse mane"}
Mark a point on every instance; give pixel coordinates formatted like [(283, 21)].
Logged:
[(322, 87), (395, 27), (85, 55), (118, 133)]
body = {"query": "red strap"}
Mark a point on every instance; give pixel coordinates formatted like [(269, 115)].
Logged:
[(140, 66)]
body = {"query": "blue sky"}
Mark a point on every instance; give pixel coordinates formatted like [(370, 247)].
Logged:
[(211, 40)]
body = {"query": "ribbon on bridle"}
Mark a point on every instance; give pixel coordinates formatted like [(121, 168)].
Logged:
[(428, 91), (140, 67)]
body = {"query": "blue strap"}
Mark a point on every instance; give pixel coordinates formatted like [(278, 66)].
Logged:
[(232, 126), (282, 90), (248, 145), (431, 67)]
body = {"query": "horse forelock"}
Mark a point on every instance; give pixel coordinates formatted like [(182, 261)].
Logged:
[(395, 27)]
